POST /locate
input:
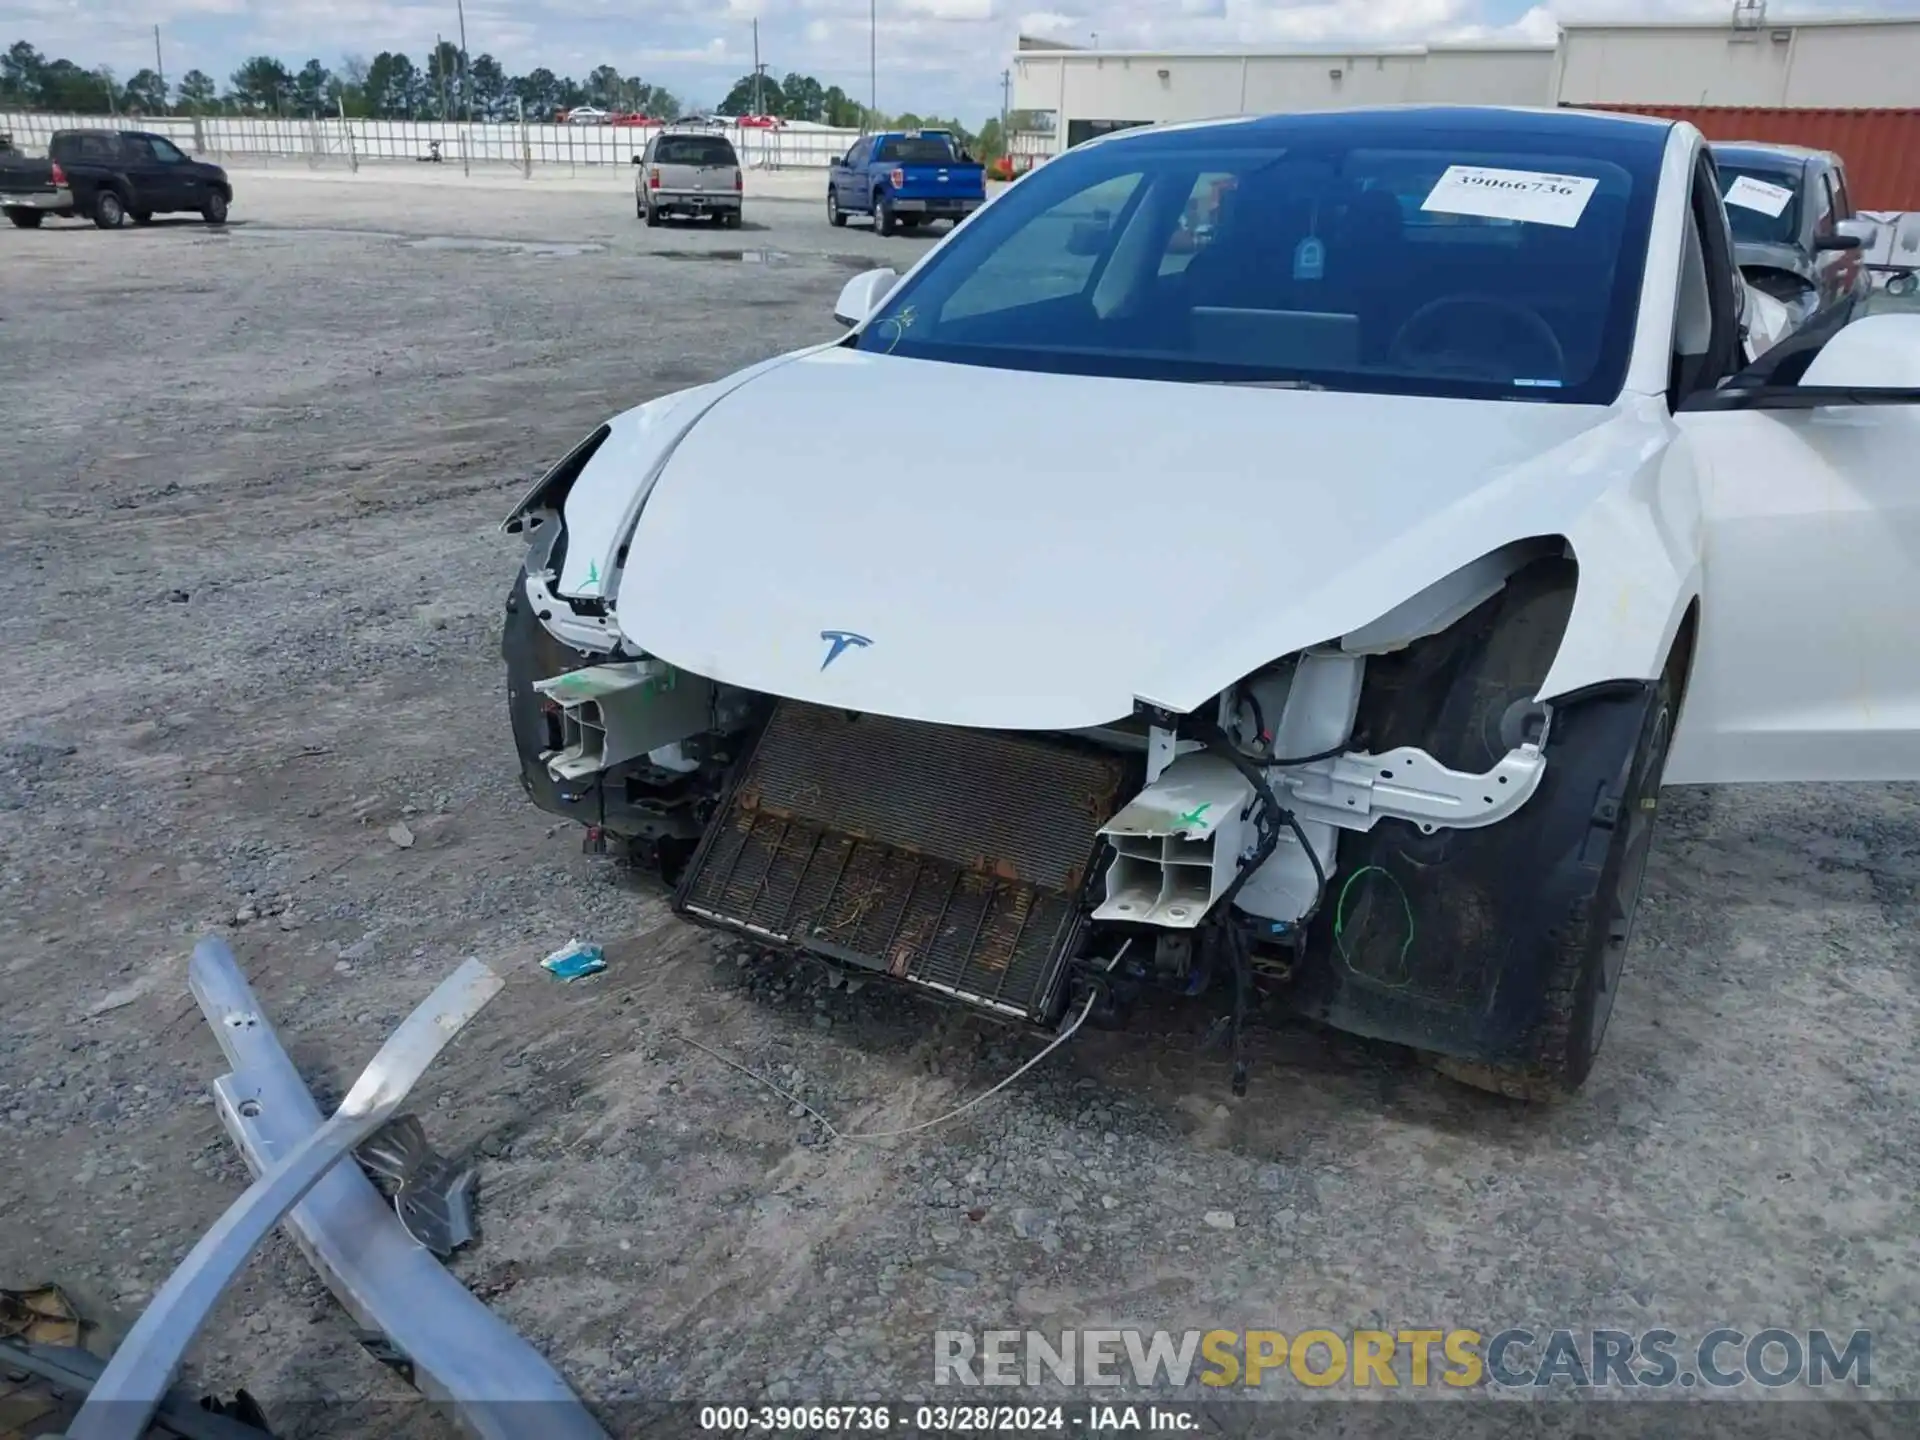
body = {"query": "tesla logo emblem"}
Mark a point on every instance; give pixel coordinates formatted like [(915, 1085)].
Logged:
[(839, 641)]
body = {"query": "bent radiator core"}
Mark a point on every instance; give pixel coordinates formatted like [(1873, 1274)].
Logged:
[(947, 857)]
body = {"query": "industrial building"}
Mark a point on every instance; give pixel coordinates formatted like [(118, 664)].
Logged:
[(1750, 76)]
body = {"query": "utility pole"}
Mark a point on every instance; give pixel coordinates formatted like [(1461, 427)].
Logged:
[(159, 68), (466, 80), (440, 64), (873, 65), (1006, 90), (756, 66)]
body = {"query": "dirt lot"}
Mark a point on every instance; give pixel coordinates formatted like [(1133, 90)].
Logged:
[(249, 602)]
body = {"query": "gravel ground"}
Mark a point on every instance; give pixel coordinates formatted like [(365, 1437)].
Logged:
[(250, 602)]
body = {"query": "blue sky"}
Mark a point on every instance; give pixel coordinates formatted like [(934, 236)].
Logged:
[(936, 56)]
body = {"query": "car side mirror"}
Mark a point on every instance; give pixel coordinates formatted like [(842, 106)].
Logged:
[(638, 160), (861, 295), (1872, 361)]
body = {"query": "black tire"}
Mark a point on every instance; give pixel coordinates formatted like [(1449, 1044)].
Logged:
[(836, 217), (883, 221), (109, 210), (730, 219), (26, 219), (214, 212), (1594, 938), (652, 216), (1901, 285), (639, 207), (143, 217)]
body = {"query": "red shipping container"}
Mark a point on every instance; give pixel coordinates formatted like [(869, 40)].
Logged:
[(1881, 148)]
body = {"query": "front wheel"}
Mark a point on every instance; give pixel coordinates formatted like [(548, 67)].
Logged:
[(1594, 935), (25, 219), (109, 212), (883, 221), (214, 212), (835, 215)]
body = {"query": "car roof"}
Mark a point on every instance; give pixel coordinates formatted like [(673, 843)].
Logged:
[(1761, 150), (1400, 123)]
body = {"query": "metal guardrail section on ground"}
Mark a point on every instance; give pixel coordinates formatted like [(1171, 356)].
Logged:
[(324, 142)]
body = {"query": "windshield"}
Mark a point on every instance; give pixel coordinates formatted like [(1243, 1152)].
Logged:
[(1422, 263), (1763, 205), (693, 150), (916, 152)]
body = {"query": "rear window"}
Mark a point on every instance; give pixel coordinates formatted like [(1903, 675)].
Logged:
[(916, 152), (81, 146), (694, 150)]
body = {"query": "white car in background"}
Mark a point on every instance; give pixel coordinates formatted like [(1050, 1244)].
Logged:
[(1321, 624), (586, 115)]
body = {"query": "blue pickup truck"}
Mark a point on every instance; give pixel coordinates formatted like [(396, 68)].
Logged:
[(904, 180)]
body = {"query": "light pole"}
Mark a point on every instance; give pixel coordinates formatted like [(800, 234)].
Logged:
[(873, 64)]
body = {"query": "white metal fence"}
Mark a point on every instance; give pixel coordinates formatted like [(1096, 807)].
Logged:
[(348, 142)]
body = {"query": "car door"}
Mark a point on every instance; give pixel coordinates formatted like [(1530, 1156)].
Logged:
[(1807, 653), (144, 175), (849, 179), (176, 176)]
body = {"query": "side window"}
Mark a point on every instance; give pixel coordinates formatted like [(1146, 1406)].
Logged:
[(136, 150), (857, 156), (165, 152), (1052, 256), (1842, 202), (1823, 206), (889, 150), (1199, 220)]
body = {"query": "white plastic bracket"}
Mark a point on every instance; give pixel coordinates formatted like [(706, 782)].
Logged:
[(1354, 791)]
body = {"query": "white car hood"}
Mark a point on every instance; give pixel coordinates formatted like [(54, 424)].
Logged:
[(1035, 551)]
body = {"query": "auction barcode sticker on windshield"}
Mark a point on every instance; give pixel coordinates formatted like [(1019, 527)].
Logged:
[(1529, 195), (1753, 194)]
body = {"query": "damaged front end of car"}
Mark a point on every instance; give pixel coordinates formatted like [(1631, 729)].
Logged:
[(1357, 828)]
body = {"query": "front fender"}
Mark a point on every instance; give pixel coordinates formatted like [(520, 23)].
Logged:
[(1639, 550), (1623, 496)]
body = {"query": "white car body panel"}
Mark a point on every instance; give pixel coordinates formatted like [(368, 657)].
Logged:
[(1809, 656), (1103, 555), (1119, 540)]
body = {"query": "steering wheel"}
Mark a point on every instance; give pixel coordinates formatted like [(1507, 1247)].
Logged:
[(1401, 353)]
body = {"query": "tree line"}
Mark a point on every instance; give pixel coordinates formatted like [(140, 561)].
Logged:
[(446, 85), (801, 97)]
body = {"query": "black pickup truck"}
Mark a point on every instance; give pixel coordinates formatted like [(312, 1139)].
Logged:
[(109, 175)]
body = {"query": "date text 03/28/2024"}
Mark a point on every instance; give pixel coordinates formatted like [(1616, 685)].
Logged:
[(945, 1419)]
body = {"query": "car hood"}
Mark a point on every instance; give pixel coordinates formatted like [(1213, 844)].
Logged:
[(1031, 551)]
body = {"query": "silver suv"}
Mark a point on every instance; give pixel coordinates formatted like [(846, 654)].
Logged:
[(688, 173)]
